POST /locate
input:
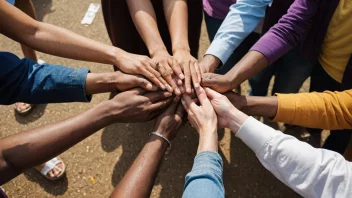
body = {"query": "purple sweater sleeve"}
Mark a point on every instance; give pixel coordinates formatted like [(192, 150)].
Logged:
[(289, 32)]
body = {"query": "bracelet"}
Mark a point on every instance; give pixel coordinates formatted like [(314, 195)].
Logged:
[(161, 136)]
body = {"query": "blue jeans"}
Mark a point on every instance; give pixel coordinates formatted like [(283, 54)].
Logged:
[(290, 72), (23, 80), (213, 25), (205, 179)]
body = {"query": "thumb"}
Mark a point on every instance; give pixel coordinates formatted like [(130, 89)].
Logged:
[(145, 84), (212, 94)]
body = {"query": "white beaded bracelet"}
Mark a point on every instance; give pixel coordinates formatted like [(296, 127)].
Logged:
[(161, 136)]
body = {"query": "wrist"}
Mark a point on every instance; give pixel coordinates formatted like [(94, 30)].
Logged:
[(237, 118), (211, 61), (158, 50), (208, 141), (101, 82), (180, 48), (116, 54), (107, 111), (158, 142)]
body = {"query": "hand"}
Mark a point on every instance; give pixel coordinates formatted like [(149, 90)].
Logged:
[(236, 99), (137, 64), (202, 117), (220, 83), (169, 70), (168, 122), (228, 115), (125, 82), (189, 67), (209, 63), (137, 105)]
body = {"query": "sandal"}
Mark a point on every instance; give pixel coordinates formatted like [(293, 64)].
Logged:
[(22, 108), (50, 165)]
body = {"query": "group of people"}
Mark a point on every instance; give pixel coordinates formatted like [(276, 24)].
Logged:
[(157, 75)]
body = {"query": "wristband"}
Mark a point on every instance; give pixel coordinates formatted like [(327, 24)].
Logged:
[(161, 136)]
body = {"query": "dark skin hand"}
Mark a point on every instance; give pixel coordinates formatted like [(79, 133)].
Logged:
[(254, 105), (115, 81), (58, 41), (209, 63), (27, 149), (248, 66), (140, 177)]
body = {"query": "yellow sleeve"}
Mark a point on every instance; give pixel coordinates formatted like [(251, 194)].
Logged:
[(327, 110)]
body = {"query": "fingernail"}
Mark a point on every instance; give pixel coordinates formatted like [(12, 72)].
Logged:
[(179, 82), (167, 94), (149, 86), (162, 87), (189, 90), (178, 92), (169, 88), (196, 85), (181, 76)]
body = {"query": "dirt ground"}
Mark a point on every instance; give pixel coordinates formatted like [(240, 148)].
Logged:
[(97, 164)]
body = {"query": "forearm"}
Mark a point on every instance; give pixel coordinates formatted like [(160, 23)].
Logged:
[(100, 83), (255, 105), (248, 66), (27, 149), (51, 39), (144, 18), (140, 177), (286, 158), (208, 141), (176, 13)]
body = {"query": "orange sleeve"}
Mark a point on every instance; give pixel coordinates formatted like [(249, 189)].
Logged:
[(327, 110)]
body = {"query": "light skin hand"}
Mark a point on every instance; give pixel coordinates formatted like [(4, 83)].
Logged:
[(166, 65), (227, 115), (209, 63), (189, 67), (203, 119)]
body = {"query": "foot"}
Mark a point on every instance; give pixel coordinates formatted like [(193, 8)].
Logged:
[(22, 108)]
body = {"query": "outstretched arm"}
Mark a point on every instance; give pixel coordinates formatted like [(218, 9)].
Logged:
[(176, 13), (30, 148), (143, 172), (309, 171), (144, 18), (58, 41)]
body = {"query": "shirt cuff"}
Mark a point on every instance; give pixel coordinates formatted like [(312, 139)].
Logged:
[(286, 109), (255, 134), (221, 49), (208, 160)]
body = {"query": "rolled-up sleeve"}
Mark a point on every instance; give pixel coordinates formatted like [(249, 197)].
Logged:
[(27, 81)]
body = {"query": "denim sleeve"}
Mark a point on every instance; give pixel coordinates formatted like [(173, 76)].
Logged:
[(27, 81), (205, 179), (241, 20)]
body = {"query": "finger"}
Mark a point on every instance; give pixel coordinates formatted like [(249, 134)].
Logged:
[(180, 111), (136, 91), (161, 104), (147, 72), (172, 108), (157, 96), (178, 85), (194, 75), (144, 83), (198, 71), (189, 103), (202, 97), (187, 72), (212, 94), (176, 68), (173, 84)]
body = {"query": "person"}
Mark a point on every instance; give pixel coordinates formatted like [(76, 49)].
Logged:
[(145, 167), (326, 110), (166, 30), (23, 150), (309, 171), (220, 33), (27, 81), (312, 26), (27, 7)]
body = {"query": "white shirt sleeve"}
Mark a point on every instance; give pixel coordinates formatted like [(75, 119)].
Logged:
[(309, 171), (241, 20)]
